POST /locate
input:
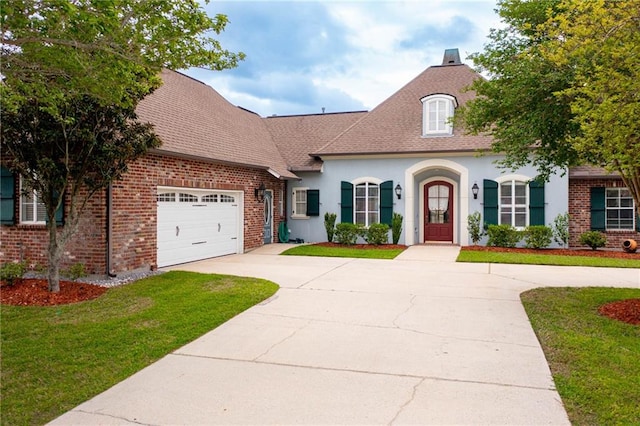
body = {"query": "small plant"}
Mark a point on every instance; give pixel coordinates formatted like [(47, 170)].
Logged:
[(330, 225), (76, 271), (561, 229), (348, 233), (503, 236), (396, 227), (12, 272), (593, 239), (474, 225), (538, 236), (377, 233)]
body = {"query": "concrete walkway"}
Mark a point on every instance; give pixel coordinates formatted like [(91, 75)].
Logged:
[(415, 340)]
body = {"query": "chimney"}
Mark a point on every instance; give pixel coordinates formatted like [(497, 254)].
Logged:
[(451, 57)]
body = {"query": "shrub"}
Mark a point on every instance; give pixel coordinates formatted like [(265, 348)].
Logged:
[(503, 236), (348, 233), (396, 227), (593, 239), (330, 225), (474, 225), (538, 236), (11, 272), (75, 271), (561, 229), (377, 233)]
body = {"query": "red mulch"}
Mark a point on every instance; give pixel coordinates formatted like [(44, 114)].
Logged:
[(363, 246), (35, 292), (622, 310), (619, 254)]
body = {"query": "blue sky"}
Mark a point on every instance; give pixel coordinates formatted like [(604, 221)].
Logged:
[(303, 56)]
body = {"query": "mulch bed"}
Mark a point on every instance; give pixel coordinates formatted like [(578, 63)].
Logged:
[(363, 246), (622, 310), (35, 292), (618, 254)]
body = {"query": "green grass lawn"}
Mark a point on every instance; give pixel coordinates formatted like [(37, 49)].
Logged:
[(54, 358), (595, 360), (544, 259), (357, 252)]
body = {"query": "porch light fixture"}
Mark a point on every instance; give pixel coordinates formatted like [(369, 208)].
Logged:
[(475, 190), (259, 192), (398, 190)]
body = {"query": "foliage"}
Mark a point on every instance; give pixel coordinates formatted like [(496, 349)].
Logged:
[(474, 225), (544, 258), (593, 239), (330, 225), (594, 359), (52, 363), (366, 252), (73, 73), (11, 272), (503, 236), (377, 233), (538, 236), (76, 271), (396, 227), (561, 229), (348, 233)]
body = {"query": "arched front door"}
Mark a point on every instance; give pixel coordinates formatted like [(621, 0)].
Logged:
[(438, 211), (268, 217)]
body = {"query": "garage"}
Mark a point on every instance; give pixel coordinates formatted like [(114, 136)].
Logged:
[(197, 224)]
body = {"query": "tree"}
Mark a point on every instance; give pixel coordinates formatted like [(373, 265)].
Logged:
[(73, 72), (563, 87)]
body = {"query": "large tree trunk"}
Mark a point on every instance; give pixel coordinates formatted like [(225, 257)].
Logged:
[(54, 256)]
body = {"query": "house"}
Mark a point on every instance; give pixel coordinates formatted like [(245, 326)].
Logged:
[(226, 180)]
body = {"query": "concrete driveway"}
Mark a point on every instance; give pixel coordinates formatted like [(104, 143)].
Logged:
[(415, 340)]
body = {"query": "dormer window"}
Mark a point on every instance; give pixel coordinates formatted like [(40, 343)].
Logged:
[(437, 111)]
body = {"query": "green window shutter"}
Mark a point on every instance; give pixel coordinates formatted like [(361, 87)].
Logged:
[(536, 203), (386, 202), (7, 197), (346, 202), (313, 202), (638, 223), (490, 200), (59, 214), (598, 210)]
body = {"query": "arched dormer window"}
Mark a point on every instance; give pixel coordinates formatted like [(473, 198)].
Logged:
[(437, 111)]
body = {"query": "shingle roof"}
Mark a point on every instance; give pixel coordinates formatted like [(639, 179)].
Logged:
[(193, 119), (591, 172), (298, 135), (395, 126)]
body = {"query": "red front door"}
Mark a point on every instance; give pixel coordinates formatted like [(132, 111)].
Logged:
[(438, 211)]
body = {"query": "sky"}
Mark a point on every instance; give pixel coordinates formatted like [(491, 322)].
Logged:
[(303, 56)]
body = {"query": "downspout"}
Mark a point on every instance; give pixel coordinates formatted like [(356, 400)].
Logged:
[(109, 225)]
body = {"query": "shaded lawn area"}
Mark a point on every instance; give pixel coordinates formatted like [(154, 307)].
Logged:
[(595, 360), (544, 259), (56, 357), (361, 251)]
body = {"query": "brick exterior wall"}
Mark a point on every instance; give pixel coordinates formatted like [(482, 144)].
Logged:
[(580, 214), (133, 236)]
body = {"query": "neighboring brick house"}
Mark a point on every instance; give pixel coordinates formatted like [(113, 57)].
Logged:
[(225, 179)]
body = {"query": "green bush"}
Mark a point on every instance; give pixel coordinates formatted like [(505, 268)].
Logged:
[(75, 271), (593, 239), (11, 272), (561, 229), (348, 233), (538, 236), (330, 225), (474, 225), (396, 227), (503, 236), (377, 233)]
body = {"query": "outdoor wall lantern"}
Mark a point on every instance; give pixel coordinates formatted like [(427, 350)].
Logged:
[(259, 191), (475, 190), (398, 190)]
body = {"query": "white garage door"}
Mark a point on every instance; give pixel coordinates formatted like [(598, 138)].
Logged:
[(194, 225)]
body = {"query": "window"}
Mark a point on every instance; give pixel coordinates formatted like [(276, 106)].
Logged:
[(227, 198), (32, 210), (210, 198), (367, 203), (513, 203), (436, 115), (299, 202), (167, 197), (619, 208)]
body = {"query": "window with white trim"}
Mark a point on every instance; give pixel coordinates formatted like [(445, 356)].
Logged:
[(32, 209), (620, 209), (437, 111), (366, 203), (513, 196), (299, 202)]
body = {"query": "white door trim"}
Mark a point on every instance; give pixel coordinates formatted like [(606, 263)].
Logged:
[(456, 209)]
